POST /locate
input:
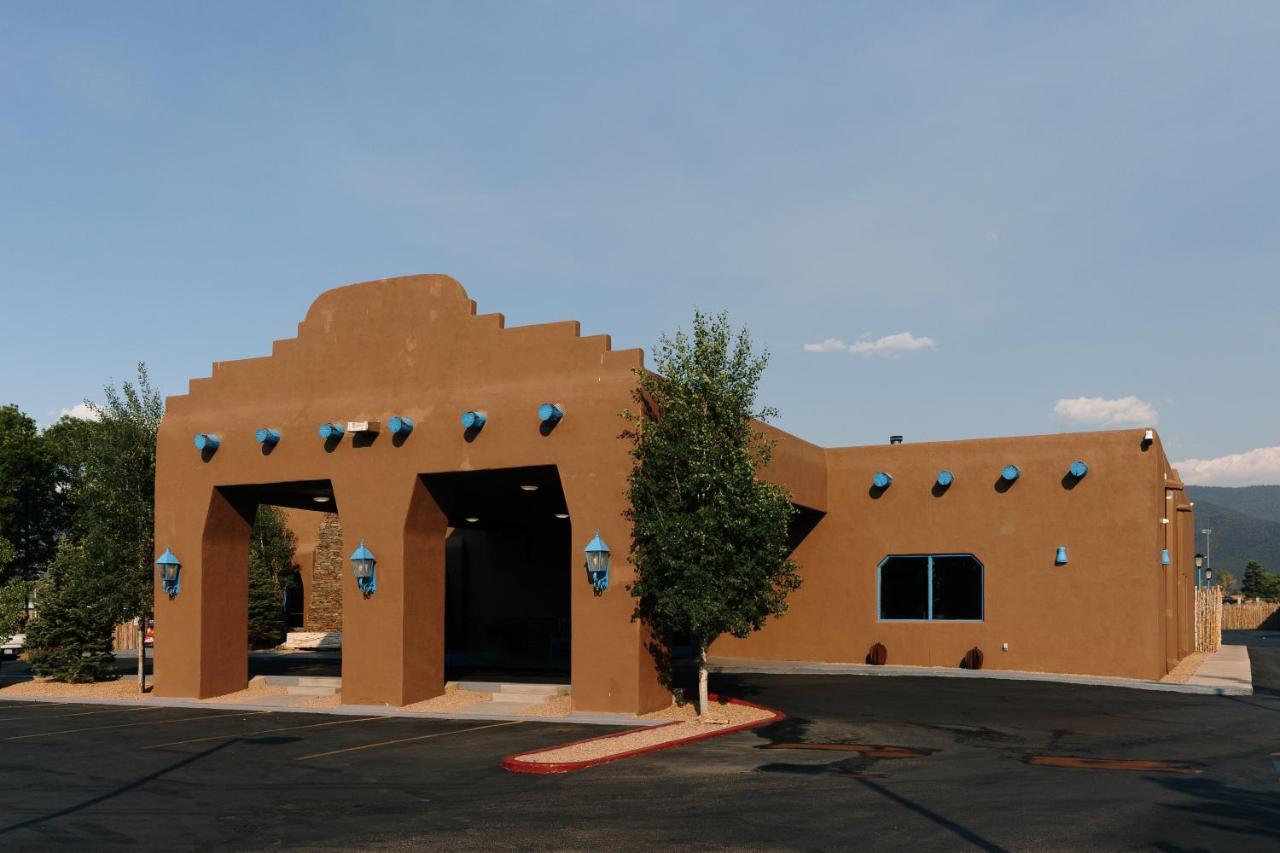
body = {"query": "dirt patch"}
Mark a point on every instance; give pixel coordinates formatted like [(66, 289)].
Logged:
[(559, 706), (257, 688), (453, 699), (1186, 668), (727, 715), (317, 701), (120, 688)]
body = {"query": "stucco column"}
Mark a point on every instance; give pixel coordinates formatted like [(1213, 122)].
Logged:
[(392, 639), (201, 646), (612, 668)]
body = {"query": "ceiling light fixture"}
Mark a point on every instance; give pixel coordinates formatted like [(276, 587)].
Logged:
[(322, 499), (562, 515), (528, 487), (471, 519)]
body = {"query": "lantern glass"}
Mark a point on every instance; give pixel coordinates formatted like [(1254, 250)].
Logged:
[(364, 569)]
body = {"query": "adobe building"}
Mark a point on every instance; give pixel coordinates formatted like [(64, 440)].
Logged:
[(1063, 553)]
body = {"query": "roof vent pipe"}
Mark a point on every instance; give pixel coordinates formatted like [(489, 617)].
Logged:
[(895, 439)]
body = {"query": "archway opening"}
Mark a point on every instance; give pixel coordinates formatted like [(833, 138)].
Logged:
[(508, 569)]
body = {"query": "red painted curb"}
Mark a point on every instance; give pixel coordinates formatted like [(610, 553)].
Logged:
[(515, 764)]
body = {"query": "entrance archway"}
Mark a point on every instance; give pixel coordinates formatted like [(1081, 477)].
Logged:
[(507, 573)]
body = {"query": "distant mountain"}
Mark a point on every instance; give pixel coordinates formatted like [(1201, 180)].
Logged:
[(1260, 501), (1245, 523)]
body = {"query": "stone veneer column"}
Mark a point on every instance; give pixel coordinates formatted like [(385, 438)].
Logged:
[(324, 597)]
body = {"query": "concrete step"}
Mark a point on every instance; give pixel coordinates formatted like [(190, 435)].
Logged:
[(303, 681), (514, 687), (307, 690)]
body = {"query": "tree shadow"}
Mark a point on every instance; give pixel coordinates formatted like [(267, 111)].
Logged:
[(123, 789), (1227, 808)]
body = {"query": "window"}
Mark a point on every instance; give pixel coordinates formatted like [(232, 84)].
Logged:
[(924, 587)]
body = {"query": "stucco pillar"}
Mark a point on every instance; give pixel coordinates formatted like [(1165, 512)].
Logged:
[(393, 639), (611, 668), (201, 646)]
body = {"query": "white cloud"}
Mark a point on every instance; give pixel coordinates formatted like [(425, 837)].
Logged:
[(1259, 467), (893, 345), (829, 345), (81, 411), (889, 345), (1099, 411)]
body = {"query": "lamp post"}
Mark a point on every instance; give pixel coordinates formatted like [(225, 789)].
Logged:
[(1208, 547), (1199, 569)]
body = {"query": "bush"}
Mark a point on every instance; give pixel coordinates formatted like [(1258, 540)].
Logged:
[(70, 637)]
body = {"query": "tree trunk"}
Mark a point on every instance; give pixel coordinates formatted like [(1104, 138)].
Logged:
[(142, 654), (702, 679)]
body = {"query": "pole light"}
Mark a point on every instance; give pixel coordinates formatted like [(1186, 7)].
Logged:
[(365, 567)]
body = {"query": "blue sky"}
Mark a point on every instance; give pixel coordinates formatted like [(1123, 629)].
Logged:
[(1002, 218)]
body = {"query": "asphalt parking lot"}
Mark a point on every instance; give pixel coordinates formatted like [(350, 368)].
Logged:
[(868, 763)]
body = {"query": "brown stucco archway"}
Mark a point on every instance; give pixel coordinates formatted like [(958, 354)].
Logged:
[(410, 347)]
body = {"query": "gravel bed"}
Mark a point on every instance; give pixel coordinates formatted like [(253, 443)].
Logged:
[(120, 688), (453, 699)]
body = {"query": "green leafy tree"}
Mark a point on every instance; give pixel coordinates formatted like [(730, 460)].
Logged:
[(105, 469), (709, 537), (30, 504), (271, 565), (1226, 581), (70, 637)]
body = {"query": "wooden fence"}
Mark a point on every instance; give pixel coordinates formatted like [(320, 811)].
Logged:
[(1208, 620), (1250, 616), (126, 636)]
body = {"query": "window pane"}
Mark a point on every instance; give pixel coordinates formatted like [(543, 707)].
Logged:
[(904, 588), (957, 588)]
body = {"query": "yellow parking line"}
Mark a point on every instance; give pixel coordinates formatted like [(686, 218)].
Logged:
[(408, 740), (145, 723), (265, 732)]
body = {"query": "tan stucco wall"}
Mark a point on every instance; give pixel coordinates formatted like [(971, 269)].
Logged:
[(1102, 613)]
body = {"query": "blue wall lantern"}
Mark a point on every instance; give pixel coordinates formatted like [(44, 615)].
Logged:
[(882, 480), (268, 436), (170, 571), (1010, 473), (1060, 559), (598, 563), (945, 478), (1078, 469), (550, 413), (332, 431), (207, 442), (366, 569), (400, 426), (1164, 556), (474, 420)]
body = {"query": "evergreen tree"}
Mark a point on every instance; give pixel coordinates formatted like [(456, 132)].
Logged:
[(70, 637), (1258, 582), (709, 538), (271, 565)]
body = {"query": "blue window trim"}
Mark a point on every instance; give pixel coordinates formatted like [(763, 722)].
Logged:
[(982, 577)]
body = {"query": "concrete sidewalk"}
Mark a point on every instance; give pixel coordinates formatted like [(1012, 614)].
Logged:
[(273, 703), (1224, 673)]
